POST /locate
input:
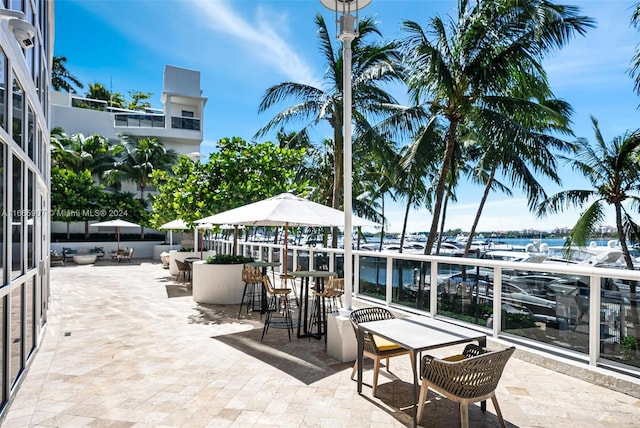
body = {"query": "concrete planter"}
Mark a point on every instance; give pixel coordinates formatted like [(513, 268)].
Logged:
[(217, 284), (181, 255)]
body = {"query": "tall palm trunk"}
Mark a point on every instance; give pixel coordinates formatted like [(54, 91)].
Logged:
[(476, 220), (635, 317), (142, 187), (442, 181), (382, 230), (442, 222)]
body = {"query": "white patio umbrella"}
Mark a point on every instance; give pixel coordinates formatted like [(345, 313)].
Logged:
[(117, 224), (177, 224), (284, 210)]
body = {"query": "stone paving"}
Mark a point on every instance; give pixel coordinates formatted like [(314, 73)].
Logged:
[(126, 346)]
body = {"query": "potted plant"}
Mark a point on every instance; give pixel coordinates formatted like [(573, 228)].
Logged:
[(629, 345), (218, 279)]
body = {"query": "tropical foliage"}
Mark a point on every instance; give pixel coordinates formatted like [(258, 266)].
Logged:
[(464, 73), (374, 65), (61, 78), (236, 174), (613, 170)]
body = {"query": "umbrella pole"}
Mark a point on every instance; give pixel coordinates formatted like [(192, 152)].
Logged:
[(118, 236), (286, 248)]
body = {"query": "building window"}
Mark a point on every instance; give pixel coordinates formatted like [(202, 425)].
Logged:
[(18, 107), (15, 342), (186, 113), (16, 220), (3, 208), (3, 92), (31, 132), (31, 220)]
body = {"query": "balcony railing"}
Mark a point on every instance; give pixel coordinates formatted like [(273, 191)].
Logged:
[(588, 314), (139, 120), (178, 122)]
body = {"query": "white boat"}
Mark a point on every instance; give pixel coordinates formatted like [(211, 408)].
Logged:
[(593, 255), (515, 256)]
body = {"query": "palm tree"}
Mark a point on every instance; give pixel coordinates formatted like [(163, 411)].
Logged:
[(521, 161), (61, 78), (614, 173), (420, 159), (635, 65), (80, 153), (138, 159), (465, 72), (373, 65)]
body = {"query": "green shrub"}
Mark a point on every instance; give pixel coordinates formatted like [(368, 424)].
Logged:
[(227, 259)]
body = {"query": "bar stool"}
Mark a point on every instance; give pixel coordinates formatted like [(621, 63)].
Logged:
[(325, 302), (291, 281), (252, 289), (278, 298)]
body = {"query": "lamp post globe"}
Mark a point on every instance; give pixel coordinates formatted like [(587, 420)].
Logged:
[(347, 31)]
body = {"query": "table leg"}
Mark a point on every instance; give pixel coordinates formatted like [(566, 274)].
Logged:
[(302, 318), (414, 355), (263, 295), (360, 357), (483, 344)]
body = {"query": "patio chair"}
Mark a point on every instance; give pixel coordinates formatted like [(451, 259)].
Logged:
[(376, 347), (291, 280), (326, 302), (56, 259), (252, 279), (278, 298), (127, 255), (184, 271), (467, 378)]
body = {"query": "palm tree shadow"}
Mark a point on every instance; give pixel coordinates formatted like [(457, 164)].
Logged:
[(306, 360), (177, 290)]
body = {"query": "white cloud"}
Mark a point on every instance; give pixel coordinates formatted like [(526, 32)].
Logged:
[(261, 38)]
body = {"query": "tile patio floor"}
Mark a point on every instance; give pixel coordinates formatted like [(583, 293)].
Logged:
[(126, 346)]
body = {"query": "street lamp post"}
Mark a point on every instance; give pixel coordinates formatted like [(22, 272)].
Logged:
[(347, 31)]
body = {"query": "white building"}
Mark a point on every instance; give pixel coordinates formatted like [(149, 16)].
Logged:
[(26, 45), (178, 125)]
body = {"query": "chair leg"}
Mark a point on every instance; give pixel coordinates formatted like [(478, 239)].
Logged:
[(494, 400), (244, 293), (355, 368), (464, 414), (287, 317), (267, 319), (424, 388), (376, 370)]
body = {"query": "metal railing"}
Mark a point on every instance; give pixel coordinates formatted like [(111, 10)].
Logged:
[(178, 122), (588, 314), (139, 120)]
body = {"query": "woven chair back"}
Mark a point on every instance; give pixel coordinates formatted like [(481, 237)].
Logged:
[(267, 284), (471, 377)]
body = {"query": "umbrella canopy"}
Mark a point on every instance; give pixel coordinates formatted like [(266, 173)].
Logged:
[(284, 210), (176, 225), (117, 224)]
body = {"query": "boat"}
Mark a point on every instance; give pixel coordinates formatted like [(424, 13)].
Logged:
[(593, 255)]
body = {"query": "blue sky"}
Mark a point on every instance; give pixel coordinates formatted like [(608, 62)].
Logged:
[(242, 47)]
